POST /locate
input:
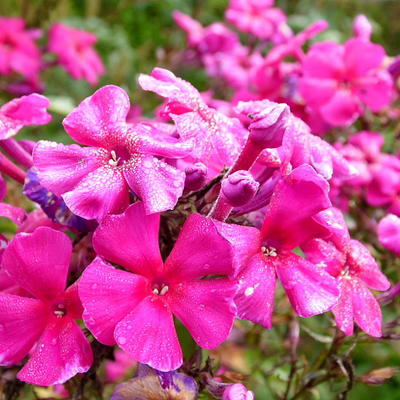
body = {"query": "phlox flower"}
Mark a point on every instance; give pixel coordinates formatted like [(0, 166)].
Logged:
[(94, 181), (42, 324), (76, 53), (18, 50), (268, 253), (215, 136), (135, 309), (259, 18), (23, 111), (350, 262), (340, 80)]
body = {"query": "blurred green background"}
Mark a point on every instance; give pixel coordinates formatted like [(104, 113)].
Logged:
[(134, 36)]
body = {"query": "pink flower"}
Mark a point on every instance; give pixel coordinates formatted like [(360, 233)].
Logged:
[(259, 18), (18, 50), (263, 255), (215, 135), (95, 181), (350, 262), (44, 321), (339, 80), (117, 369), (136, 308), (23, 111), (75, 51), (389, 233)]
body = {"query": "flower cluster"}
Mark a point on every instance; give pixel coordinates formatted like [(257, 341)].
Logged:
[(187, 221)]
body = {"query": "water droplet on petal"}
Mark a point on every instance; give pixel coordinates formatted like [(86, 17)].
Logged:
[(121, 340)]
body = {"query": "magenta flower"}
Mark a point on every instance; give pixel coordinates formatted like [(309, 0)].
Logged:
[(389, 233), (263, 255), (18, 50), (215, 135), (339, 80), (43, 324), (23, 111), (136, 308), (350, 262), (259, 18), (95, 181), (75, 51), (237, 392)]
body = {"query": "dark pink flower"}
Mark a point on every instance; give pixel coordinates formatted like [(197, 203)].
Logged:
[(340, 80), (23, 111), (76, 53), (259, 18), (95, 181), (350, 262), (135, 309), (44, 322), (263, 255), (215, 135), (18, 50)]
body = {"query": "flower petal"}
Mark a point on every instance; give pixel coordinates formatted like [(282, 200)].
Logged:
[(311, 290), (255, 297), (148, 335), (108, 295), (100, 118), (343, 310), (60, 167), (62, 352), (200, 250), (22, 321), (101, 192), (140, 251), (156, 183), (206, 308), (39, 262)]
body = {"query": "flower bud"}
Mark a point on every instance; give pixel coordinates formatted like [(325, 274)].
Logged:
[(362, 28), (196, 176), (237, 392), (268, 122), (239, 188)]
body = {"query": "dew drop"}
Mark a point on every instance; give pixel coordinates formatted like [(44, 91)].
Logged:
[(122, 340), (94, 286)]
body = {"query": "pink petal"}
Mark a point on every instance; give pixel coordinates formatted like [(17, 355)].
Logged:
[(367, 312), (108, 295), (360, 56), (317, 91), (389, 233), (148, 335), (39, 262), (311, 290), (62, 352), (155, 182), (296, 198), (343, 310), (200, 250), (101, 192), (245, 242), (255, 297), (22, 321), (342, 109), (100, 118), (206, 308), (13, 213), (139, 250), (61, 167), (365, 267)]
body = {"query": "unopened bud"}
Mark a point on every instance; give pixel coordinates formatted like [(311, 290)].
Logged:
[(268, 122), (239, 188), (362, 28), (196, 176)]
